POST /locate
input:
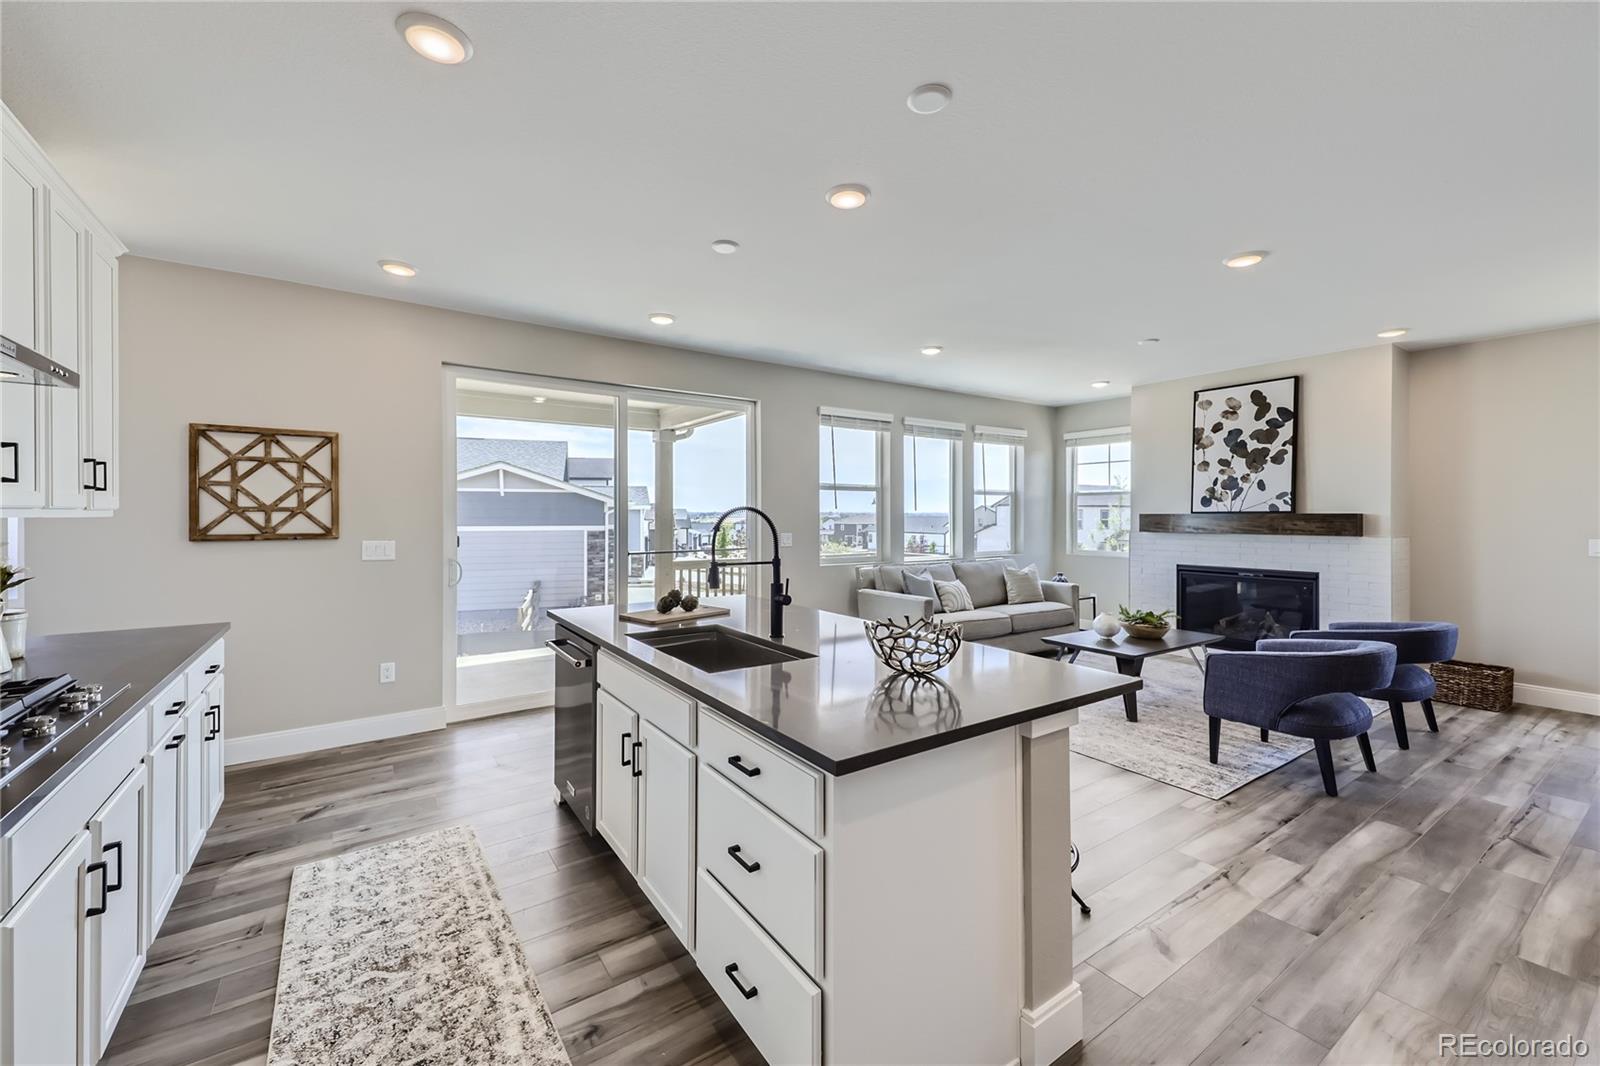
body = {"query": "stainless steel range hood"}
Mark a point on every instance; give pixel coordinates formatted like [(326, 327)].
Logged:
[(21, 365)]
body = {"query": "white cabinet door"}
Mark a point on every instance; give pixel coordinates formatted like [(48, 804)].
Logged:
[(212, 747), (666, 829), (166, 863), (102, 383), (616, 788), (117, 937), (195, 721), (71, 476), (44, 994), (22, 195)]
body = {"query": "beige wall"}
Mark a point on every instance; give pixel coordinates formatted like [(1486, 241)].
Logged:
[(311, 621), (1102, 576), (1346, 447), (1505, 494)]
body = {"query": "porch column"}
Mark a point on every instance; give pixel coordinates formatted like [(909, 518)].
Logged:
[(664, 439), (1052, 1002)]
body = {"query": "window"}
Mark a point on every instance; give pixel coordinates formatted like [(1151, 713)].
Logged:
[(996, 509), (850, 464), (931, 451), (1100, 469)]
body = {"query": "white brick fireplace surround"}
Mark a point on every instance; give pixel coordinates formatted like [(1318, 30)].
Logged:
[(1364, 579)]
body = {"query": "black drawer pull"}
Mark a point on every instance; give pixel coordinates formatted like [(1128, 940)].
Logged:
[(175, 742), (174, 709), (737, 762), (107, 849), (636, 746), (213, 668), (101, 908), (625, 760), (748, 867), (732, 970)]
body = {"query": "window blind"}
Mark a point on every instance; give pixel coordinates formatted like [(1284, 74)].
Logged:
[(999, 435), (838, 418), (928, 428), (1099, 436)]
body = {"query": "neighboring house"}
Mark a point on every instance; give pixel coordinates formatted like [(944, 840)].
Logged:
[(854, 531), (993, 526), (930, 532), (529, 516)]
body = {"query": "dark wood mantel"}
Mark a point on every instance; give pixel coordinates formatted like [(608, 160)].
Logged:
[(1272, 523)]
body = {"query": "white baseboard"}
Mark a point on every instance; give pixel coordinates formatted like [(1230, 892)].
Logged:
[(331, 735), (491, 708), (1050, 1030), (1562, 699)]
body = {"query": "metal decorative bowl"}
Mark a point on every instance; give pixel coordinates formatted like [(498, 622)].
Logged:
[(919, 647), (1139, 632)]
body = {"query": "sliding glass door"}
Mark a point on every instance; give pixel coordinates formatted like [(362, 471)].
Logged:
[(554, 499)]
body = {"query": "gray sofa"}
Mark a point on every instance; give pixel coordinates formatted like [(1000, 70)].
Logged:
[(881, 593)]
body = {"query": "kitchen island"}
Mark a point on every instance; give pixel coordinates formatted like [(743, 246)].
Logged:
[(868, 868)]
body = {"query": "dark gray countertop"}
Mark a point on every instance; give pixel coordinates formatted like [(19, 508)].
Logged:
[(844, 710), (139, 661)]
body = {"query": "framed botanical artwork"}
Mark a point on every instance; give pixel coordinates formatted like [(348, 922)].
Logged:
[(1244, 447), (252, 483)]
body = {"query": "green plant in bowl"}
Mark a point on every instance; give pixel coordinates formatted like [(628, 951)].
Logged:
[(1144, 625)]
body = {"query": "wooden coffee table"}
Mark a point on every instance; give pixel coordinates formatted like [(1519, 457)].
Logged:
[(1130, 654)]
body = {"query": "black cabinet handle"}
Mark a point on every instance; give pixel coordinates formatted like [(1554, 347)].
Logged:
[(732, 970), (748, 867), (636, 771), (107, 849), (213, 722), (16, 463), (102, 480), (101, 909), (174, 709), (175, 742), (94, 470), (213, 668), (625, 761), (737, 762)]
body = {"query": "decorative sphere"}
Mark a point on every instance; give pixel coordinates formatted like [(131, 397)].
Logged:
[(1106, 626), (665, 604), (674, 598), (690, 602)]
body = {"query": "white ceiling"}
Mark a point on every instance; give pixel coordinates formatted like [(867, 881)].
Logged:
[(1430, 165)]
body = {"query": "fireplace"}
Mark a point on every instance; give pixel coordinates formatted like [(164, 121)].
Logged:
[(1246, 605)]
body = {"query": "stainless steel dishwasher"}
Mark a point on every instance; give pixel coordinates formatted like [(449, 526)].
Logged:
[(575, 722)]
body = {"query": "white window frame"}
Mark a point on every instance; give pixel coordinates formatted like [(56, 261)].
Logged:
[(880, 424), (1070, 444), (954, 434), (1017, 440)]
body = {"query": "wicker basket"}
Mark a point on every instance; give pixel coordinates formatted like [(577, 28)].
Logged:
[(1473, 684)]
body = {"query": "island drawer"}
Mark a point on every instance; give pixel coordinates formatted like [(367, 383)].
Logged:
[(773, 871), (205, 669), (783, 783), (167, 708), (668, 709), (776, 1004)]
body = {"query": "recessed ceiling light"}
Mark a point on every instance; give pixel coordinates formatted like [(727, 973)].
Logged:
[(397, 268), (1099, 384), (930, 98), (434, 38), (724, 247), (1244, 259), (1389, 334), (1151, 340), (932, 349), (661, 318), (848, 197)]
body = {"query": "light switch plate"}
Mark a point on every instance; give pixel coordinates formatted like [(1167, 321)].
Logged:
[(785, 540), (1594, 548), (381, 551)]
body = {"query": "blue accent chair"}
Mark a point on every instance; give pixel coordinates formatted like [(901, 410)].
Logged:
[(1415, 643), (1301, 687)]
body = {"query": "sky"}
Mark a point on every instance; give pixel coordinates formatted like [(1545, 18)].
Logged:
[(708, 466)]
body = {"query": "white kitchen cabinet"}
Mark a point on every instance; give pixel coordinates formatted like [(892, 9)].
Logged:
[(166, 864), (666, 828), (44, 966), (58, 296), (211, 745), (22, 197), (616, 808), (196, 723), (117, 937)]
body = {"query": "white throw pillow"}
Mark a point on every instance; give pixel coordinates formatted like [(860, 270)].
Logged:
[(1022, 586), (953, 596)]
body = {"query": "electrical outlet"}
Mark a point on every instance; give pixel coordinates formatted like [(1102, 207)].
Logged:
[(1594, 549), (385, 673), (377, 551), (785, 540)]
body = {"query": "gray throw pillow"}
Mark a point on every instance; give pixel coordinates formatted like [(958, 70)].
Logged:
[(920, 584), (1022, 586), (953, 596)]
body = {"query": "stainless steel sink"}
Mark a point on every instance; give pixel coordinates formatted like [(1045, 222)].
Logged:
[(717, 649)]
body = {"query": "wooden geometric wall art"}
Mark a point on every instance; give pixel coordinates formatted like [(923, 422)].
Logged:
[(249, 483)]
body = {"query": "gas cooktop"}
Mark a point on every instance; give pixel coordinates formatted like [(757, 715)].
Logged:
[(36, 712)]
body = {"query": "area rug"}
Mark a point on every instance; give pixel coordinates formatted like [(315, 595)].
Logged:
[(403, 953), (1168, 742)]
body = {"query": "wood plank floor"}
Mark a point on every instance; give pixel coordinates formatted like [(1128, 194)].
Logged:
[(1454, 890)]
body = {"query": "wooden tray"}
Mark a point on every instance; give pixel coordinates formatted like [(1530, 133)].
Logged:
[(653, 617)]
